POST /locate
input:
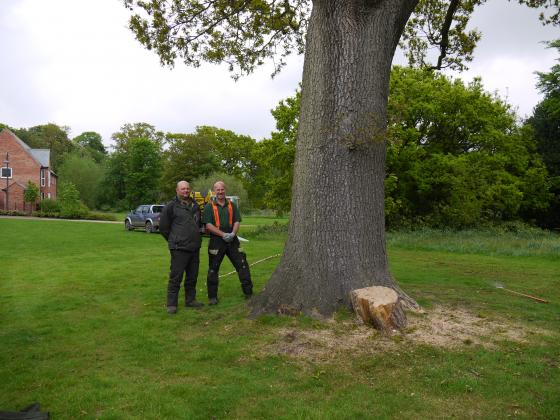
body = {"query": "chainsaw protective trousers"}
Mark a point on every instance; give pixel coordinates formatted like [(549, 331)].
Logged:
[(217, 250)]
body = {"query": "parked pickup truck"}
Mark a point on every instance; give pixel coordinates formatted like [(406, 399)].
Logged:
[(146, 216)]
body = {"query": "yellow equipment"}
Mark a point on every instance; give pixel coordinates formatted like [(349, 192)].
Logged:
[(202, 200)]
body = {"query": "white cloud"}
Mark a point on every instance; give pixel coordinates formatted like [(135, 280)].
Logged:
[(510, 52)]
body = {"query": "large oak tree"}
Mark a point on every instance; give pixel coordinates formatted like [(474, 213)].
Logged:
[(336, 239)]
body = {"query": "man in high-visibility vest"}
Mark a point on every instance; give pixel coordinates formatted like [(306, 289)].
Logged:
[(222, 220)]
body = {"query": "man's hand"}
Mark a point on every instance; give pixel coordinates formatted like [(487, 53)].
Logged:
[(228, 237)]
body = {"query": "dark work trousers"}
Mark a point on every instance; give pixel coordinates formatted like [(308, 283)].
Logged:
[(217, 249), (182, 262)]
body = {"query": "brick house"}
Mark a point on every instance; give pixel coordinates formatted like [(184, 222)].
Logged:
[(20, 164)]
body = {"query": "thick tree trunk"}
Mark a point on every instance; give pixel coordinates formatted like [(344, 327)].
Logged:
[(336, 239)]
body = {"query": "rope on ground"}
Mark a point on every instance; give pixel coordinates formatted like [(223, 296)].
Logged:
[(250, 265)]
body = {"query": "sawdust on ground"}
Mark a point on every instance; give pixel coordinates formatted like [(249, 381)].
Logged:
[(440, 326)]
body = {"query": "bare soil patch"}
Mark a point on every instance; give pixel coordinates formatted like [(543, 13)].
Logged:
[(440, 326)]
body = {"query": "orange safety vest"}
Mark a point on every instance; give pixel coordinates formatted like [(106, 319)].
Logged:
[(217, 216)]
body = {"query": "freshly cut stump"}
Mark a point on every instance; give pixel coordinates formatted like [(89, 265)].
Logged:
[(379, 306)]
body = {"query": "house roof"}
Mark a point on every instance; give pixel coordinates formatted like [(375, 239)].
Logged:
[(41, 156)]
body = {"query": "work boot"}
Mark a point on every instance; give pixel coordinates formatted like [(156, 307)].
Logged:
[(172, 310), (194, 304), (213, 301)]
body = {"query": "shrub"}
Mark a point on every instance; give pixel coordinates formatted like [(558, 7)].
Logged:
[(122, 205), (70, 205), (76, 211), (11, 213), (49, 205), (106, 207), (271, 230), (100, 216), (31, 194)]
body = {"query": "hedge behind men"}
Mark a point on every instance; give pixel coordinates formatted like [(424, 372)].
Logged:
[(180, 226), (222, 220)]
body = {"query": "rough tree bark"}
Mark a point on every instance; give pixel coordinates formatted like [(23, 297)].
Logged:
[(336, 239)]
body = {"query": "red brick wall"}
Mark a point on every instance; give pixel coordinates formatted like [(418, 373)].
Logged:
[(49, 189), (16, 200), (24, 168), (16, 197)]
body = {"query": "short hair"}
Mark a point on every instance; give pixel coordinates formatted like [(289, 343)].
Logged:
[(218, 182)]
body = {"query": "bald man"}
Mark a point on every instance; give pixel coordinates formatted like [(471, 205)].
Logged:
[(180, 226), (222, 220)]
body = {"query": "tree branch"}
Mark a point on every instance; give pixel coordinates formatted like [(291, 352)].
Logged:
[(444, 43)]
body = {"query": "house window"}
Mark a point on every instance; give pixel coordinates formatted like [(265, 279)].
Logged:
[(6, 172), (49, 195), (49, 178), (42, 177), (42, 196)]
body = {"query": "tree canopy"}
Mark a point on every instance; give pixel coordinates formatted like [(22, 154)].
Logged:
[(546, 116), (456, 156), (275, 156), (143, 172), (92, 144), (244, 33), (545, 126), (189, 156), (436, 35), (128, 132), (134, 168), (85, 174)]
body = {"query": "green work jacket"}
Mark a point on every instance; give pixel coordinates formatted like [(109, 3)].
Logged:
[(223, 213)]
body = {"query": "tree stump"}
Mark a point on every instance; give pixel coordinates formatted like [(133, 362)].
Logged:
[(379, 306)]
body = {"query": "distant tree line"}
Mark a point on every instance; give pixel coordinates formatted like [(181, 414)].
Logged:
[(457, 157)]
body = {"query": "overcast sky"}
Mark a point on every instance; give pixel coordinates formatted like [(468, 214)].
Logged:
[(74, 63)]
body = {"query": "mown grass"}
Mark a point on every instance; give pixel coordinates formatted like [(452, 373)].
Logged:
[(84, 332)]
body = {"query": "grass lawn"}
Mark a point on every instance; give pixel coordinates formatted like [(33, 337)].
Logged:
[(84, 332)]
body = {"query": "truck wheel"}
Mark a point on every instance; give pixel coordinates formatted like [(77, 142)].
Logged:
[(149, 227), (127, 225)]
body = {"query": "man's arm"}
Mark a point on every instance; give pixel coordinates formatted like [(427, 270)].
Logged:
[(197, 215), (165, 221), (236, 226), (214, 230), (236, 218)]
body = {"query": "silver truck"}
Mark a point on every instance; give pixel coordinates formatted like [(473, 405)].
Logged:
[(146, 216)]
